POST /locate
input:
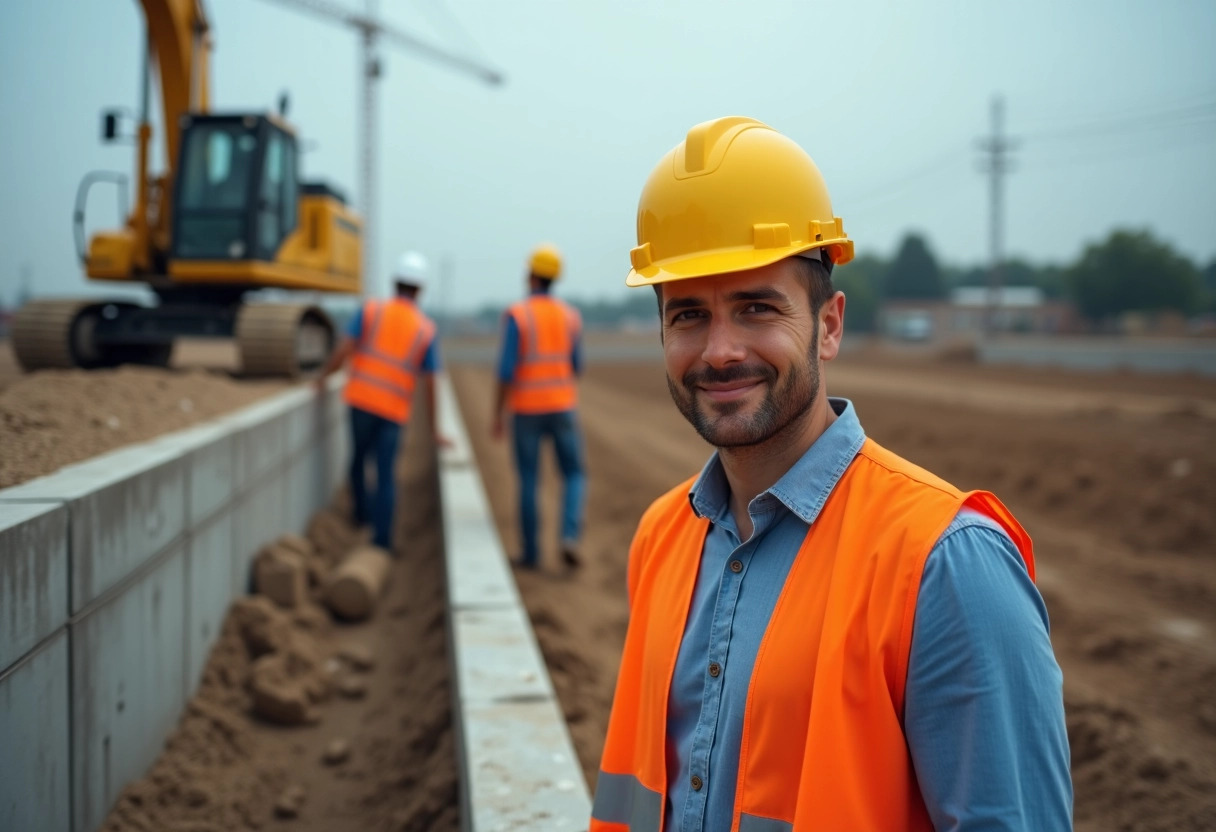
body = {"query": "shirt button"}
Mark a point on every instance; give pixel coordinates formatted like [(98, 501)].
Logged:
[(696, 783), (714, 669), (736, 566)]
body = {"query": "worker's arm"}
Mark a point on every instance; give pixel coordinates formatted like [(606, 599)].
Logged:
[(506, 374), (984, 707), (346, 348)]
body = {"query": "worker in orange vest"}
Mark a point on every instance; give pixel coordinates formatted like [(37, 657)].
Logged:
[(389, 344), (822, 636), (538, 365)]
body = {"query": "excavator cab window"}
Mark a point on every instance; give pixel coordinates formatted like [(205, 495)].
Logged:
[(237, 189)]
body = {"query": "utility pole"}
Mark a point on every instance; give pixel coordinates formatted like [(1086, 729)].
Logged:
[(446, 274), (371, 74), (995, 162)]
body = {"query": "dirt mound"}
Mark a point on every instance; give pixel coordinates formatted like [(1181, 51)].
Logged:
[(52, 418)]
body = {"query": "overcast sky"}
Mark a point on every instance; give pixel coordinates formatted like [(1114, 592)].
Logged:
[(1114, 100)]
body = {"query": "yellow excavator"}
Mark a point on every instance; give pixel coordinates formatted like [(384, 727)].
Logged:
[(228, 216)]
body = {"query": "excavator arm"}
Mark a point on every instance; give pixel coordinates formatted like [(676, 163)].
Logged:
[(179, 36)]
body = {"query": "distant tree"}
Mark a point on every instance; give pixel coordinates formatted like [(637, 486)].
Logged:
[(914, 273), (1132, 271), (859, 280), (1209, 287)]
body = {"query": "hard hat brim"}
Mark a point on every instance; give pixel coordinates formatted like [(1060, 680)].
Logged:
[(726, 261)]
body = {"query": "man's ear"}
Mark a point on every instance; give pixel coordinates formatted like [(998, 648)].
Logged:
[(831, 326)]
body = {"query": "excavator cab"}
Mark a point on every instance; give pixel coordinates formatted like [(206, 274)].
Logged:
[(237, 189)]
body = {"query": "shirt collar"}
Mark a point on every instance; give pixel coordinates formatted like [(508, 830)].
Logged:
[(805, 487)]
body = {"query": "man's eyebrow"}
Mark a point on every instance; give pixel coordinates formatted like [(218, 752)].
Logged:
[(682, 303), (766, 293)]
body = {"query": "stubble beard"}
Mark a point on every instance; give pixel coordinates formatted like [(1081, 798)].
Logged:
[(725, 425)]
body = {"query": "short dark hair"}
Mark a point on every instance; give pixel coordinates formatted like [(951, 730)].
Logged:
[(543, 283), (815, 274), (406, 290)]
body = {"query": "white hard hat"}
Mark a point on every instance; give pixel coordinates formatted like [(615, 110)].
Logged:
[(411, 269)]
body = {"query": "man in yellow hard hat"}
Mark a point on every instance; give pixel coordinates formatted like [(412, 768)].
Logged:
[(822, 635), (537, 372)]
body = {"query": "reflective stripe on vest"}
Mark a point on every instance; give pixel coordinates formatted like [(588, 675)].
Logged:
[(388, 358), (822, 740), (544, 375)]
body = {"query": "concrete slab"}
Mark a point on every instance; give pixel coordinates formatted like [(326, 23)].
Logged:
[(124, 507), (35, 766), (447, 411), (259, 518), (304, 421), (496, 656), (303, 474), (478, 574), (521, 772), (128, 669), (209, 589), (260, 431), (33, 575), (518, 767)]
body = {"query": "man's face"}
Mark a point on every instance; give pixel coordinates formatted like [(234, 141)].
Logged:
[(741, 352)]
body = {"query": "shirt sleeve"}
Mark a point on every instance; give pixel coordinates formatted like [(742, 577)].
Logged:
[(984, 707), (430, 361), (576, 354), (510, 350), (355, 328)]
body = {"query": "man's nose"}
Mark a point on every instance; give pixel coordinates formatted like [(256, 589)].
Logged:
[(724, 343)]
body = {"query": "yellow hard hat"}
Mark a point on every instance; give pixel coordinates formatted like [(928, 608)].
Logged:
[(734, 195), (546, 262)]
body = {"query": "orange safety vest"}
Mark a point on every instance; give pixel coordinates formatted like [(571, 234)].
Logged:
[(544, 376), (823, 747), (388, 357)]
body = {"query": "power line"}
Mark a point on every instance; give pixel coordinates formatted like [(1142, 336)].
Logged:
[(1118, 126)]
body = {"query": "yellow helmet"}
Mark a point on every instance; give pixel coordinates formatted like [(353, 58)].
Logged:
[(734, 195), (546, 262)]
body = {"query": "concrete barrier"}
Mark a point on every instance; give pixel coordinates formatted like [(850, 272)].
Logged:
[(115, 575), (518, 769)]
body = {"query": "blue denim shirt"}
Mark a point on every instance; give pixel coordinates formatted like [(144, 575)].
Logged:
[(984, 710)]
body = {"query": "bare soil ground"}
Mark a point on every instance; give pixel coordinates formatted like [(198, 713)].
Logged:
[(1114, 475), (224, 769), (53, 418)]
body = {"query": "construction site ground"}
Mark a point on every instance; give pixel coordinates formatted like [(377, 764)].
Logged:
[(1114, 476)]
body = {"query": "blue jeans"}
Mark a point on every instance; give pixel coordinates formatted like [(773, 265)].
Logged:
[(528, 429), (374, 434)]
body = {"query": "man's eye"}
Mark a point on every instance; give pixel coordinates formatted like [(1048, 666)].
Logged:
[(758, 307), (686, 315)]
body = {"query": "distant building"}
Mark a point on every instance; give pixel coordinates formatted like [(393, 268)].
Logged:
[(1012, 309)]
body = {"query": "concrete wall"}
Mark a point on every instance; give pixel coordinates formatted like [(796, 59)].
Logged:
[(115, 575), (518, 769)]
